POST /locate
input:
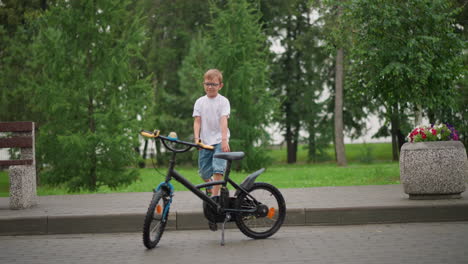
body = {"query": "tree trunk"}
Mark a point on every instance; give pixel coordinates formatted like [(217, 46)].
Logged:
[(44, 4), (339, 136), (418, 115), (93, 157), (291, 116), (431, 116), (291, 144), (312, 145), (142, 164), (92, 123), (396, 133), (145, 149)]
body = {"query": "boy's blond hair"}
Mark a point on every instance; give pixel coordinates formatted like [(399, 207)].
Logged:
[(214, 73)]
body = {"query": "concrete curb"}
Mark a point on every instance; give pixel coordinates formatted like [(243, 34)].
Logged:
[(192, 220)]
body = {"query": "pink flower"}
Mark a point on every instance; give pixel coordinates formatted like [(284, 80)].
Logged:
[(434, 132), (423, 135)]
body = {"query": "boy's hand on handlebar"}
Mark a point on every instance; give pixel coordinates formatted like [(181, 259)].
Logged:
[(197, 141), (201, 145)]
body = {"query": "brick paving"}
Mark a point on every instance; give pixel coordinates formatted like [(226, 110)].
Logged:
[(413, 243)]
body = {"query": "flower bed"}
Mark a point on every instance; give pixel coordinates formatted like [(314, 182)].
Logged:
[(442, 132)]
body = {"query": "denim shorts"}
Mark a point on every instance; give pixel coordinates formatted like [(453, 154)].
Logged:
[(207, 165)]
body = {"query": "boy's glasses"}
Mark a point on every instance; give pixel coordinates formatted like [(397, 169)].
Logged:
[(211, 84)]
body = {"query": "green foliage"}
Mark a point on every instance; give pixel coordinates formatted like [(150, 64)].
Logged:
[(241, 54), (336, 34), (15, 36), (405, 54), (299, 75), (405, 51), (172, 26), (194, 66), (88, 91), (457, 113)]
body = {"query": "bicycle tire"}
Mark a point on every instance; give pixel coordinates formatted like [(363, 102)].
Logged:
[(259, 226), (155, 220)]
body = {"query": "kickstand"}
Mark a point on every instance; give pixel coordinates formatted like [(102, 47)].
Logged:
[(228, 217)]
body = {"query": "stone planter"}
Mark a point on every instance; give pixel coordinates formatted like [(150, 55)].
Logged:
[(434, 170)]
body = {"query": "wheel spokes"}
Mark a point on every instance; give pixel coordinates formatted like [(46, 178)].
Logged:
[(263, 223), (156, 227)]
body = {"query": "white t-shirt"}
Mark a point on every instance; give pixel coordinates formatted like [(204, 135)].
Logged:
[(211, 110)]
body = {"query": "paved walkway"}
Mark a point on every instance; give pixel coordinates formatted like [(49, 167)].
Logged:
[(413, 243), (124, 212)]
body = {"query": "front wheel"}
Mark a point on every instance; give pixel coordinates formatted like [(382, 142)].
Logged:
[(270, 211), (156, 219)]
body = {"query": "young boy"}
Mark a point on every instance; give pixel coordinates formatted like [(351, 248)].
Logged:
[(211, 113)]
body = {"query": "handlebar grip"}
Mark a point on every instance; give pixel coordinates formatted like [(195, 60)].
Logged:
[(153, 134), (199, 143)]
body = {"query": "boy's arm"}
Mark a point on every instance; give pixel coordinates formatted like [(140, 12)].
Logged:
[(224, 134), (196, 128)]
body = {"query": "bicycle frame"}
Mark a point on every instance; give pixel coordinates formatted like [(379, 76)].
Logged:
[(195, 189)]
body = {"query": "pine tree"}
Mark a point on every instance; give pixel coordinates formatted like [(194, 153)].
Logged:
[(240, 52), (299, 75), (15, 36), (89, 91)]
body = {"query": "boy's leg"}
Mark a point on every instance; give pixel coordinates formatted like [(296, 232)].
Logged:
[(209, 189), (219, 166), (216, 188), (205, 168)]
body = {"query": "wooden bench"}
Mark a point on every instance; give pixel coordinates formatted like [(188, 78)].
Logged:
[(22, 172)]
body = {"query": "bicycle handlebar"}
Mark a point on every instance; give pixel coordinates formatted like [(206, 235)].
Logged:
[(156, 134)]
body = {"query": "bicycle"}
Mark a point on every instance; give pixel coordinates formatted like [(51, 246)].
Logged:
[(257, 208)]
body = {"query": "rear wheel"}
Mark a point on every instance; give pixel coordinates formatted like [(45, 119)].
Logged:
[(156, 219), (269, 214)]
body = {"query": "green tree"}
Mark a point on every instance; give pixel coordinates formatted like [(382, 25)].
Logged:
[(337, 44), (15, 36), (89, 92), (240, 52), (298, 73), (194, 66), (457, 114), (172, 25), (405, 53)]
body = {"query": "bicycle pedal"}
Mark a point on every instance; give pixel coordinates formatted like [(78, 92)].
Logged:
[(212, 226)]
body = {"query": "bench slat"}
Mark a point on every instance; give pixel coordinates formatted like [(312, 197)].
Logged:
[(16, 126), (16, 142), (15, 162)]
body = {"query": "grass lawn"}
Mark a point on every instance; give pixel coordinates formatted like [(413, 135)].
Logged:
[(279, 174), (4, 184), (354, 153)]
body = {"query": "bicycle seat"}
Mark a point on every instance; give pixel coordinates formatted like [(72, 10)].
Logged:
[(230, 155)]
